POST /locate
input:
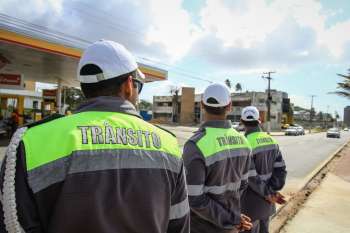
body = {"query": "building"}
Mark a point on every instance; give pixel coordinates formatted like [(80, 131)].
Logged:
[(184, 108), (347, 116), (28, 98), (27, 54), (281, 108)]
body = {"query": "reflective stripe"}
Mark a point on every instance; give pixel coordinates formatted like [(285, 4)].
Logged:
[(264, 148), (179, 210), (223, 188), (98, 160), (265, 176), (245, 176), (279, 164), (195, 190), (225, 154), (252, 173)]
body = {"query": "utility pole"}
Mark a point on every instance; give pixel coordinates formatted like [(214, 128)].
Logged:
[(269, 98), (327, 117), (311, 111)]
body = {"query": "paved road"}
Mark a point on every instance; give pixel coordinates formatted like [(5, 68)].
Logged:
[(303, 154)]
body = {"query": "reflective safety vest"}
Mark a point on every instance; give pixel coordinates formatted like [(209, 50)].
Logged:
[(260, 141), (98, 171), (134, 143), (218, 140)]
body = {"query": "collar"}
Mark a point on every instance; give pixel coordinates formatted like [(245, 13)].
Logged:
[(225, 124), (108, 104), (251, 130)]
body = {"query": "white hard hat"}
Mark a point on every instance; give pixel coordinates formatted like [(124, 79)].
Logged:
[(112, 58), (250, 113), (216, 95)]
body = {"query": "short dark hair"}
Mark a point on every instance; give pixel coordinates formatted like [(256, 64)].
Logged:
[(109, 87), (250, 123), (215, 110)]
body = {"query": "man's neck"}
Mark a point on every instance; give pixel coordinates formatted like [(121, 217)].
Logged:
[(211, 117)]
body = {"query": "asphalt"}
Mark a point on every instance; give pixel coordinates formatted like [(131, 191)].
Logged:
[(328, 207)]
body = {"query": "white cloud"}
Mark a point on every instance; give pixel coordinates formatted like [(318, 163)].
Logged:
[(172, 27), (32, 9), (283, 31), (300, 100), (236, 34)]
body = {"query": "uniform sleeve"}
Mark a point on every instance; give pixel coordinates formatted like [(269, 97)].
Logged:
[(201, 203), (246, 173), (180, 211), (26, 208), (255, 183), (279, 173)]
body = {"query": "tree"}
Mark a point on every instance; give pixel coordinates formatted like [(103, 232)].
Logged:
[(344, 87), (320, 116), (145, 105), (238, 87), (228, 83), (73, 97), (175, 102)]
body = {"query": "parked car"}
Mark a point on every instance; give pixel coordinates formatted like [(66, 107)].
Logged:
[(292, 131), (333, 133), (346, 129)]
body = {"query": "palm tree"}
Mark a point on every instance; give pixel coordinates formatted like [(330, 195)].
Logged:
[(228, 83), (344, 87), (238, 87)]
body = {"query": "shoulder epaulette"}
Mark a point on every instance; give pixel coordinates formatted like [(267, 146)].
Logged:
[(44, 120), (165, 130), (198, 135)]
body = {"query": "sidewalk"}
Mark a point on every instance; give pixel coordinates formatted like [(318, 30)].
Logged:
[(328, 208)]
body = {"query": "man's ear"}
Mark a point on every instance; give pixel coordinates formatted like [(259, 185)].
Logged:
[(229, 107), (128, 88)]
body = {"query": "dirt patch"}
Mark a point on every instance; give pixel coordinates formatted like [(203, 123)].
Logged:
[(288, 211)]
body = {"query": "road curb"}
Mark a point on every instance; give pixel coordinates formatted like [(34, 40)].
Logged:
[(312, 181)]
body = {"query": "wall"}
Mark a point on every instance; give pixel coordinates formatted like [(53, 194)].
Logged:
[(187, 105)]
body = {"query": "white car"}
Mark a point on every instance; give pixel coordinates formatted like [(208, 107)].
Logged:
[(333, 133), (346, 129), (293, 131)]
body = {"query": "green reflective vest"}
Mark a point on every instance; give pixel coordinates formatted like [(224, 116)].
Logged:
[(94, 131), (221, 139), (260, 139)]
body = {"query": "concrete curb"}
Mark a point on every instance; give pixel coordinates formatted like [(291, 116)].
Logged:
[(289, 210)]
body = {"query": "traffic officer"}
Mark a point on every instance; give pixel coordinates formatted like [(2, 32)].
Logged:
[(258, 201), (217, 160), (102, 169)]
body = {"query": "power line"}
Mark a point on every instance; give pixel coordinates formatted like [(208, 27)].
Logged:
[(177, 70), (60, 37)]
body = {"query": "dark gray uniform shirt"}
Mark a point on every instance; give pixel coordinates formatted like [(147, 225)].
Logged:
[(215, 184), (270, 177)]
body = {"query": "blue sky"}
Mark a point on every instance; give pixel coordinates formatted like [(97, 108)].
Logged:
[(305, 41)]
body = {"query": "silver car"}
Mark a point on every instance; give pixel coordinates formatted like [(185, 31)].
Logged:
[(293, 131), (333, 133)]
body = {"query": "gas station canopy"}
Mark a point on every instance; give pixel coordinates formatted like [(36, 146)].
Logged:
[(49, 62)]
